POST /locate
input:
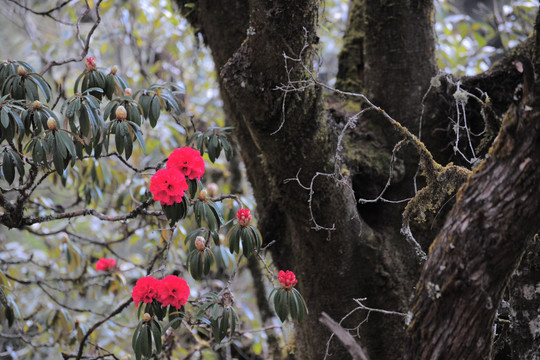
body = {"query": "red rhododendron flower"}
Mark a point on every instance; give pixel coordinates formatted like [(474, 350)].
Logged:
[(244, 217), (188, 160), (287, 279), (173, 291), (105, 264), (168, 186), (145, 290), (90, 63)]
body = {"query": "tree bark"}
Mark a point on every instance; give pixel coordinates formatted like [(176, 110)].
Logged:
[(341, 250), (480, 245)]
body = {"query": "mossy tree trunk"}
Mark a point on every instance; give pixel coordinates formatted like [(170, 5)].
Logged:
[(306, 190)]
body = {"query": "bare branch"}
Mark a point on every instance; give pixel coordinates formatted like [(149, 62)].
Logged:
[(140, 210), (85, 44), (350, 344), (116, 311)]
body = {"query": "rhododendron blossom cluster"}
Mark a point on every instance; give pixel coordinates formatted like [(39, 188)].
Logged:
[(287, 279), (168, 185), (244, 217), (171, 290), (105, 264), (188, 161)]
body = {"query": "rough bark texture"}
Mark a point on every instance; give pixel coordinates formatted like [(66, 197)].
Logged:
[(399, 56), (480, 245), (388, 55), (524, 332)]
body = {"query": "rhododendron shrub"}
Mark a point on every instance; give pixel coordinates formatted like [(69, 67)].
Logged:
[(103, 110)]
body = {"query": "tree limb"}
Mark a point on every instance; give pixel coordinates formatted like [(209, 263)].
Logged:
[(350, 344)]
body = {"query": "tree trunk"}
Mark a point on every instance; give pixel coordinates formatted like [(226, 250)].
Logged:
[(340, 250), (479, 246)]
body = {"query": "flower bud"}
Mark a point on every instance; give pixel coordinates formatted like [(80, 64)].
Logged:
[(244, 217), (114, 70), (200, 243), (203, 194), (65, 239), (127, 92), (90, 64), (121, 113), (36, 105), (21, 70), (212, 189), (147, 317), (51, 123)]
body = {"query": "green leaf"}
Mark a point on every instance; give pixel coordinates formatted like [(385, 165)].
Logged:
[(67, 141), (146, 341), (234, 239), (4, 117), (18, 162), (154, 111), (10, 315), (292, 305), (8, 168), (144, 102), (157, 336), (302, 307), (200, 146), (172, 324), (84, 121), (109, 86), (216, 211), (134, 341), (256, 236), (227, 147), (247, 241), (128, 141), (215, 312), (190, 238), (119, 139), (42, 84), (31, 90), (58, 160), (3, 296), (233, 317), (224, 325), (133, 113), (215, 331), (193, 260), (140, 139), (208, 261), (60, 146), (280, 305)]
